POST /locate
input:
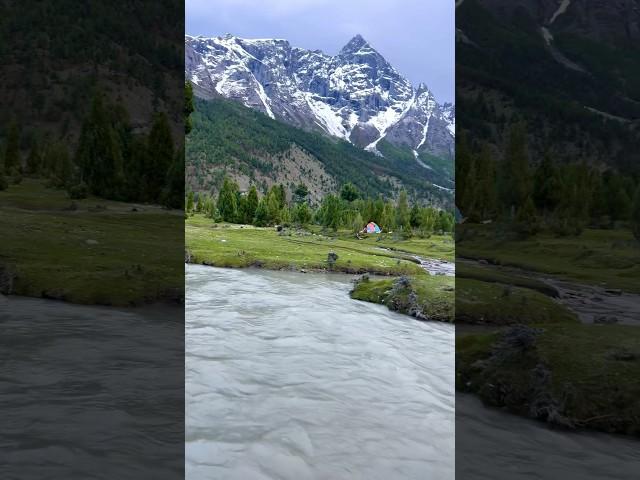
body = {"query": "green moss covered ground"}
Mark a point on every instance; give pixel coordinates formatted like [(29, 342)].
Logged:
[(225, 245), (89, 251)]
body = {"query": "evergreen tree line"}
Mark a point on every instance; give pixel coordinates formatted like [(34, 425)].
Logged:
[(110, 161), (347, 210), (564, 198)]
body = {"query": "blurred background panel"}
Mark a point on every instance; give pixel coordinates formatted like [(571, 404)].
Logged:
[(547, 239), (92, 239)]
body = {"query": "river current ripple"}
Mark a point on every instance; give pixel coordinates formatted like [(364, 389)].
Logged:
[(288, 378)]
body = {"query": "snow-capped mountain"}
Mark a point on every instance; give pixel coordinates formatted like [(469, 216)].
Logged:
[(355, 95)]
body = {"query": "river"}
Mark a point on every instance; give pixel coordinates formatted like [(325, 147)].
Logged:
[(494, 445), (288, 378), (90, 392)]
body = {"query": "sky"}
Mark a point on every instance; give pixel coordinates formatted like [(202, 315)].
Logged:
[(416, 36)]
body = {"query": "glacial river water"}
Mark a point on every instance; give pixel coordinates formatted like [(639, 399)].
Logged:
[(89, 392), (288, 378)]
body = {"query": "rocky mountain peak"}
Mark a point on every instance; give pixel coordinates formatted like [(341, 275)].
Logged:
[(356, 95), (355, 44)]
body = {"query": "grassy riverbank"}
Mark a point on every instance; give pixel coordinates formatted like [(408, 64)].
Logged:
[(608, 258), (90, 251), (503, 304), (227, 245), (576, 376), (427, 297), (237, 246), (521, 349)]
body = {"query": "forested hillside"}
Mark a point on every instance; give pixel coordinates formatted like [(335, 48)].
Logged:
[(55, 54), (229, 139), (577, 93), (92, 98)]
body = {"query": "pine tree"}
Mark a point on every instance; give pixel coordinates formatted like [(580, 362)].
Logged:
[(403, 218), (274, 205), (619, 201), (300, 193), (241, 201), (34, 160), (64, 168), (526, 221), (173, 195), (227, 201), (546, 185), (635, 214), (387, 218), (159, 158), (252, 204), (349, 192), (189, 202), (485, 193), (331, 212), (428, 220), (468, 201), (188, 107), (302, 214), (12, 163), (415, 215), (515, 184), (357, 223), (99, 152), (464, 158), (282, 196), (378, 210), (261, 218)]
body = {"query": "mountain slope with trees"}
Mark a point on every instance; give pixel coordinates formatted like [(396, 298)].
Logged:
[(229, 139)]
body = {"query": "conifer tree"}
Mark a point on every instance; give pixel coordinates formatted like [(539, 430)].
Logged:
[(261, 218), (252, 204), (300, 193), (403, 218), (515, 178), (227, 200), (34, 160), (99, 152), (302, 214), (415, 216), (173, 196), (485, 193), (357, 223), (189, 202), (387, 218), (349, 192), (12, 163), (635, 214), (546, 185), (160, 156), (463, 163), (331, 212), (274, 205), (188, 107)]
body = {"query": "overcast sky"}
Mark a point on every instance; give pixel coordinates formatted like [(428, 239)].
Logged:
[(415, 36)]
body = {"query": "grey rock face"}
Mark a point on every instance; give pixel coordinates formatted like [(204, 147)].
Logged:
[(356, 95)]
